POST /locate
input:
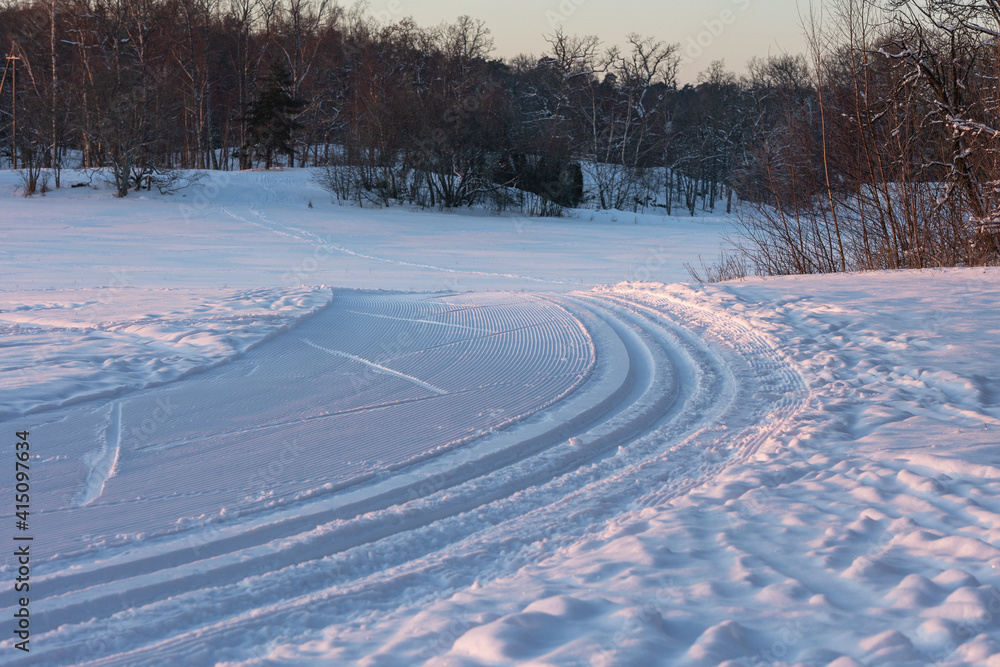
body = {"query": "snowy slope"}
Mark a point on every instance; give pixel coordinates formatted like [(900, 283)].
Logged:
[(255, 229), (777, 471)]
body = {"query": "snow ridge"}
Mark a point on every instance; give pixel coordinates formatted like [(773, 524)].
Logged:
[(104, 461)]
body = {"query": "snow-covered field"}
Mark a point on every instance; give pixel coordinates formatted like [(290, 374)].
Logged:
[(264, 433)]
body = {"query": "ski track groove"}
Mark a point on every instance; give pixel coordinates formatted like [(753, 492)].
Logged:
[(689, 369), (378, 367)]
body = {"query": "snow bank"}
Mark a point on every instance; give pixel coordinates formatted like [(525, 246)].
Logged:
[(63, 347)]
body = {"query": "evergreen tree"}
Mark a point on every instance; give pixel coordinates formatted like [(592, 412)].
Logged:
[(270, 118)]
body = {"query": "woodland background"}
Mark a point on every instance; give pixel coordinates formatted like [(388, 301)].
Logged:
[(877, 149)]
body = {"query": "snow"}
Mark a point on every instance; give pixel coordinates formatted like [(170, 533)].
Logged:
[(480, 446), (255, 229), (67, 346)]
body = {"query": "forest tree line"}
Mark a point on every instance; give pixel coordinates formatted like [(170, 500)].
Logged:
[(876, 149)]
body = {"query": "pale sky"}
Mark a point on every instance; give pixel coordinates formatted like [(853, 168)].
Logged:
[(707, 30)]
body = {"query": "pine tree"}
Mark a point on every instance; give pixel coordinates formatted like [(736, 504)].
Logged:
[(270, 118)]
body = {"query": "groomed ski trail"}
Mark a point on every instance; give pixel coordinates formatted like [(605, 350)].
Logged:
[(674, 393)]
